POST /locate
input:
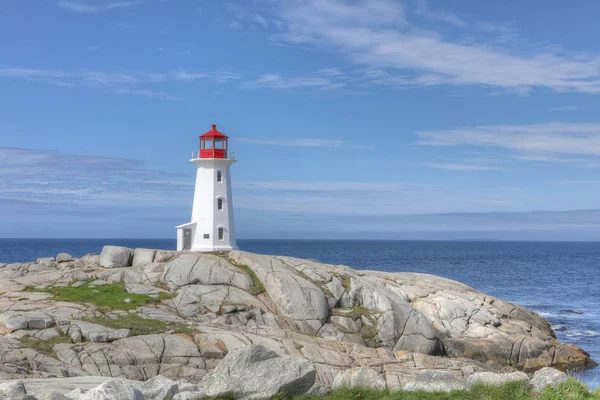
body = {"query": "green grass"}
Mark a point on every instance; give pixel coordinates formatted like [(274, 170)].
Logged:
[(142, 326), (45, 346), (570, 390), (353, 312), (257, 286), (106, 297)]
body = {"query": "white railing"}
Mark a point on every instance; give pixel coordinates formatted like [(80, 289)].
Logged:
[(196, 155)]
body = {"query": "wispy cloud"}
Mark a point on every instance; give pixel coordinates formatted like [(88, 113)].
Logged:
[(424, 10), (564, 108), (377, 34), (275, 81), (89, 8), (461, 166), (114, 82), (540, 140), (293, 142), (47, 176)]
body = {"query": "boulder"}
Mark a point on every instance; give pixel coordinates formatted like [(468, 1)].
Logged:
[(547, 377), (190, 395), (63, 257), (158, 388), (75, 393), (115, 257), (359, 378), (96, 333), (112, 390), (52, 396), (494, 379), (255, 372), (13, 389), (15, 320), (47, 261), (435, 381), (142, 257)]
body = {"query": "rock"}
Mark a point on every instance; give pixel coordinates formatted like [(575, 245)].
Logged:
[(158, 388), (494, 379), (95, 333), (347, 324), (164, 256), (435, 381), (142, 257), (359, 378), (112, 390), (15, 320), (63, 257), (296, 297), (13, 389), (547, 377), (98, 282), (47, 261), (207, 269), (52, 396), (115, 257), (91, 260), (255, 372), (189, 395), (75, 394), (197, 299)]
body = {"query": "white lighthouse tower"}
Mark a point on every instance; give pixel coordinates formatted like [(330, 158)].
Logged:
[(212, 227)]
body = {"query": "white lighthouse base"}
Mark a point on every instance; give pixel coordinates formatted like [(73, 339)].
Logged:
[(187, 240)]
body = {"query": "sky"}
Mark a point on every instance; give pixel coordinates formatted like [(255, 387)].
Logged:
[(357, 119)]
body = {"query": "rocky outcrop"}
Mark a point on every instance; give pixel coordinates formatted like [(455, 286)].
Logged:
[(352, 327)]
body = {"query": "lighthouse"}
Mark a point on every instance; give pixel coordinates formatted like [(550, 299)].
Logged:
[(211, 227)]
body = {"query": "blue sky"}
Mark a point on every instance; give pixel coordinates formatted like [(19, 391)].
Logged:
[(349, 119)]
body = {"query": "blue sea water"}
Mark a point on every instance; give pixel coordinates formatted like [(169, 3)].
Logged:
[(558, 280)]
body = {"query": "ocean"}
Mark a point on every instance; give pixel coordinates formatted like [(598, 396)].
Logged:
[(558, 280)]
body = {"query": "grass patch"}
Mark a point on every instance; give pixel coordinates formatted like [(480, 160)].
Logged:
[(110, 296), (570, 390), (346, 281), (257, 286), (142, 326), (45, 346), (353, 312)]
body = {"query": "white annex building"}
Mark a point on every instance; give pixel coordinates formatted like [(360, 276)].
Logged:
[(212, 227)]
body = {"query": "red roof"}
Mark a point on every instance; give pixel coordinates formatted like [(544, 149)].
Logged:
[(213, 133)]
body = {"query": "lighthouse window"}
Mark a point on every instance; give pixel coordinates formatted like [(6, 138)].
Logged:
[(219, 176), (221, 234), (206, 236), (218, 144), (220, 204), (208, 144)]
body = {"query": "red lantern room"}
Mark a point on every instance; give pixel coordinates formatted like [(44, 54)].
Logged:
[(213, 144)]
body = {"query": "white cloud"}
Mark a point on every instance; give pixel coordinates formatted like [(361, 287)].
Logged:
[(274, 81), (423, 9), (377, 34), (88, 8), (114, 82), (564, 108), (292, 142), (539, 141), (51, 177), (461, 166)]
